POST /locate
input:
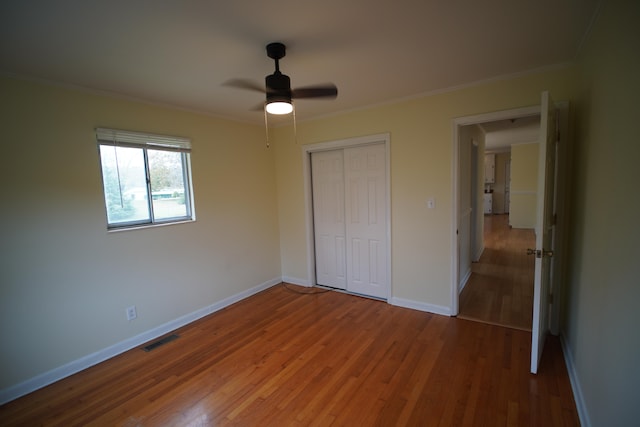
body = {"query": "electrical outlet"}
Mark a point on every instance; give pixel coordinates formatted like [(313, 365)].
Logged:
[(131, 313)]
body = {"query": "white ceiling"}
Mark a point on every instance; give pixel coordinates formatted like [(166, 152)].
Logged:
[(180, 53)]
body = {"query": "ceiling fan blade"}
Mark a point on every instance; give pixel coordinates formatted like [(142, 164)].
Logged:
[(322, 91), (244, 84)]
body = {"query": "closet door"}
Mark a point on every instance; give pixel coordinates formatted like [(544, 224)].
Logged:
[(327, 174), (365, 212)]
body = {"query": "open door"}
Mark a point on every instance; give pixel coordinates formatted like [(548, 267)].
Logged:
[(544, 228)]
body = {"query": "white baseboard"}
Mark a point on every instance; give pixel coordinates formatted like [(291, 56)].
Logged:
[(85, 362), (465, 279), (296, 281), (581, 407), (479, 254), (422, 306)]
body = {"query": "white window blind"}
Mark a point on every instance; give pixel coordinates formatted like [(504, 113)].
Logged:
[(127, 138)]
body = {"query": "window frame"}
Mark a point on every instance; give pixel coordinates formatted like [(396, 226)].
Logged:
[(145, 141)]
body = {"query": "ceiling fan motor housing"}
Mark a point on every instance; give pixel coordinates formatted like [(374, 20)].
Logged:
[(278, 87)]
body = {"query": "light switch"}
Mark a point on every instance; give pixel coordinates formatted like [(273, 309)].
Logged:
[(431, 203)]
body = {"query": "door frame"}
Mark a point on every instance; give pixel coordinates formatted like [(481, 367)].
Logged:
[(457, 123), (564, 166), (382, 138)]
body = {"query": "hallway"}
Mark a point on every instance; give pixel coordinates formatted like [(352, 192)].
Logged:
[(500, 289)]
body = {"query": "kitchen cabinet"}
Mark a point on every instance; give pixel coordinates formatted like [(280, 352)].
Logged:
[(488, 203), (489, 168)]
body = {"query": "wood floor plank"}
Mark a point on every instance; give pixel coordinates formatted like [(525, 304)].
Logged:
[(500, 288), (280, 358)]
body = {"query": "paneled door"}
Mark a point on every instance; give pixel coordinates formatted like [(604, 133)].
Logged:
[(350, 219), (327, 168), (545, 228)]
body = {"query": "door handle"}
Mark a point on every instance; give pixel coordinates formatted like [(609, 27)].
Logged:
[(540, 253)]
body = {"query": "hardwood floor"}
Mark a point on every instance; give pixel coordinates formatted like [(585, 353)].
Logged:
[(500, 289), (281, 358)]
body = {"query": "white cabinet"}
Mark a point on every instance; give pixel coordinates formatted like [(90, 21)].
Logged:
[(488, 203), (489, 168)]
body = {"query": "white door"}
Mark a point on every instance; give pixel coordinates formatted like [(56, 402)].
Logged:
[(327, 171), (349, 208), (544, 228), (365, 190)]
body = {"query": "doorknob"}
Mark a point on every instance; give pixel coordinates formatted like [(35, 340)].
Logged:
[(540, 253)]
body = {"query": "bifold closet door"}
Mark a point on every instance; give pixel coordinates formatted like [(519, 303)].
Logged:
[(349, 197)]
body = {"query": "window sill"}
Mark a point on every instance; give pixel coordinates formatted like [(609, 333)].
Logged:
[(142, 226)]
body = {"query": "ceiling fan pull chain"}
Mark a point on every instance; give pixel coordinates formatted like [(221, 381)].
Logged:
[(295, 128)]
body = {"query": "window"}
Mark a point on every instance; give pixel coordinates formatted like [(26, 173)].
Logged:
[(146, 178)]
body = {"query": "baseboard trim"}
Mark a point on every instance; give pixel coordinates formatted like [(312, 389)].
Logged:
[(581, 407), (479, 254), (56, 374), (296, 281), (422, 306), (465, 279)]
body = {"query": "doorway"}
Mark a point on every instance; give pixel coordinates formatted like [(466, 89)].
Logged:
[(562, 189), (491, 248)]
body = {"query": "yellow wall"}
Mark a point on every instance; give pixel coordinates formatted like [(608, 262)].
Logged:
[(524, 185), (421, 167), (65, 281)]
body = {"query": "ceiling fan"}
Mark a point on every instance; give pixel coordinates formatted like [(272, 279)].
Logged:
[(277, 88)]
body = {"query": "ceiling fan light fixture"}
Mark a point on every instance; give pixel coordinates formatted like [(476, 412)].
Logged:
[(279, 107)]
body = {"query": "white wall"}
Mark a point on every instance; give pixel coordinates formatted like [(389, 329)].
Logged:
[(524, 185), (471, 138), (65, 281), (465, 204), (477, 238), (602, 319)]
